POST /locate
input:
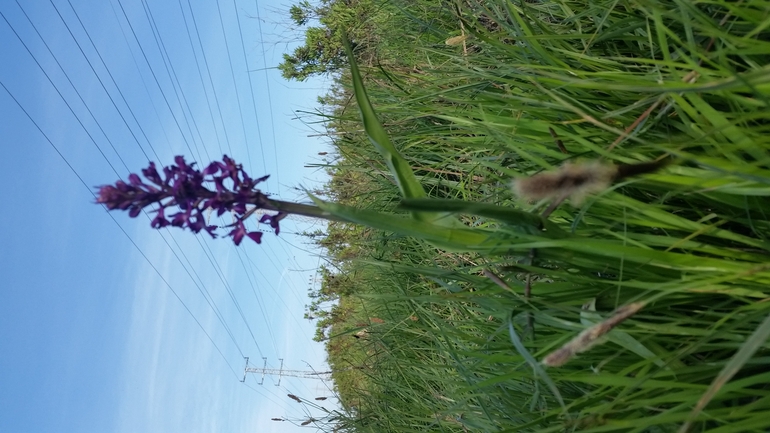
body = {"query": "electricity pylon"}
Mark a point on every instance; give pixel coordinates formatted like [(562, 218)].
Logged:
[(280, 372)]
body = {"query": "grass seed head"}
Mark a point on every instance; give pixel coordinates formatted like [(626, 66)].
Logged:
[(591, 336), (572, 180)]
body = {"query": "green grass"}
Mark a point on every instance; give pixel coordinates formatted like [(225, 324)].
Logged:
[(455, 351)]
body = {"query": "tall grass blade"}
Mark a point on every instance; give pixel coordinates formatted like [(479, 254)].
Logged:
[(536, 366), (407, 183), (744, 354)]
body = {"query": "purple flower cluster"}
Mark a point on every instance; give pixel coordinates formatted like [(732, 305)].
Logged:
[(182, 187)]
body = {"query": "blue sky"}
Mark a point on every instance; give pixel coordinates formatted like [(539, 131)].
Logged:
[(107, 324)]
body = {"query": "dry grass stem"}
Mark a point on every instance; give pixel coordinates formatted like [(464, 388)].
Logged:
[(591, 336)]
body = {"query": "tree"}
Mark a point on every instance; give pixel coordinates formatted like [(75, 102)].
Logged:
[(322, 51), (302, 12)]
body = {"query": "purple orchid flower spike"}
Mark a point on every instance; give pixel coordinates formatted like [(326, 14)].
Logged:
[(222, 186), (273, 220)]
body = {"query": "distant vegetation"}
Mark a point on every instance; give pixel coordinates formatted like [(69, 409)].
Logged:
[(475, 94)]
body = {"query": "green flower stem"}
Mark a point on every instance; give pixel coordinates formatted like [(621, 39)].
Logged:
[(299, 209)]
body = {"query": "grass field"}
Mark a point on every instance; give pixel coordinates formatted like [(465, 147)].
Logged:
[(458, 294)]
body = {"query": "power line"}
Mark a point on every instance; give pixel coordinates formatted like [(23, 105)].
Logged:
[(251, 87), (149, 262), (234, 82), (259, 302), (235, 85), (211, 81), (216, 311), (113, 136), (60, 95), (200, 75), (175, 254), (201, 288), (141, 49), (229, 290), (182, 258), (66, 75), (254, 268), (220, 273), (102, 83), (169, 66), (141, 77), (269, 96)]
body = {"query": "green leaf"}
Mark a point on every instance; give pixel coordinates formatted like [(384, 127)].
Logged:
[(528, 222), (407, 182), (453, 239), (398, 166)]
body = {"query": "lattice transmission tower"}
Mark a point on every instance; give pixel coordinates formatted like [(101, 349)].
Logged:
[(280, 372)]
